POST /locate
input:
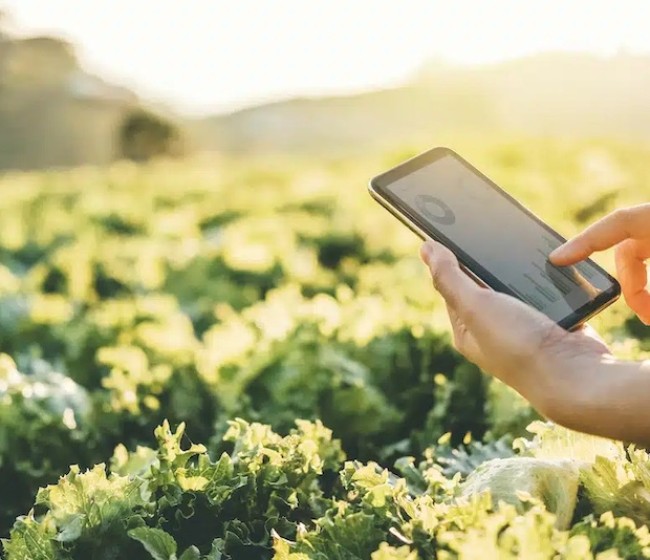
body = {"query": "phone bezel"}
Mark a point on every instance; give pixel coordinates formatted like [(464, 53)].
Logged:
[(424, 230)]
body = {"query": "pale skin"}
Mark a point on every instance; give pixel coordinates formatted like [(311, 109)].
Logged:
[(569, 377)]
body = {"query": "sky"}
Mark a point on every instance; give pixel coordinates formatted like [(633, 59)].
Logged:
[(203, 56)]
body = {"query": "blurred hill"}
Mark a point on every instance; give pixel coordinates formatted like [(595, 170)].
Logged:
[(55, 113), (52, 112), (551, 94)]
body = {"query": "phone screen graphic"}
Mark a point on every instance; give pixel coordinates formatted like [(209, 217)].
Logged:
[(477, 220)]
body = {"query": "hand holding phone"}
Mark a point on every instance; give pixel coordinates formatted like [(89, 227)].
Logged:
[(509, 339), (569, 377), (497, 241)]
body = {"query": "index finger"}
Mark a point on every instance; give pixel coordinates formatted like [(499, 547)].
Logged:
[(625, 223)]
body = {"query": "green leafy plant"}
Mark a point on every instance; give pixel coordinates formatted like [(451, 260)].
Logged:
[(178, 499), (270, 290)]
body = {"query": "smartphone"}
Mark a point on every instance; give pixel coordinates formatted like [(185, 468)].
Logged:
[(498, 242)]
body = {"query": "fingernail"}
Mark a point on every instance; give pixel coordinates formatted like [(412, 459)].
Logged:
[(556, 252)]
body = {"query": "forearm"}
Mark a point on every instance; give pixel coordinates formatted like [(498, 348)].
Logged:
[(607, 398)]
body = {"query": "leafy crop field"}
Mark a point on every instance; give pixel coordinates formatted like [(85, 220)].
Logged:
[(244, 359)]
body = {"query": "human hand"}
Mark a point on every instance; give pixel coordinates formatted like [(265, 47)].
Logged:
[(628, 230), (511, 340)]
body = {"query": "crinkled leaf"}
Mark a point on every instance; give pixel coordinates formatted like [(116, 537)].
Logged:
[(620, 486), (620, 534), (191, 553), (467, 458), (138, 462), (387, 552), (72, 529), (31, 540), (216, 550), (159, 544), (90, 496), (282, 550), (347, 537)]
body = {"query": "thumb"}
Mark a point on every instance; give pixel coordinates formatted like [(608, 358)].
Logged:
[(458, 289)]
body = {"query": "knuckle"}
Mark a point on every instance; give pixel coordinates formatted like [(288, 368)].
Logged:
[(634, 221), (623, 215)]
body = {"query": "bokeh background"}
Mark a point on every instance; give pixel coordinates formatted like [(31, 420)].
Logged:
[(316, 77), (185, 231)]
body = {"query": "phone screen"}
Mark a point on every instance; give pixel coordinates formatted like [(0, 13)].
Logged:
[(496, 237)]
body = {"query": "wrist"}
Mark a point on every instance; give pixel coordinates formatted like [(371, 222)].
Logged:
[(609, 399), (556, 388)]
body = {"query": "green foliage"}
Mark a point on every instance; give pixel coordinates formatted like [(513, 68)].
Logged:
[(607, 532), (467, 458), (44, 426), (270, 291), (382, 518), (279, 497), (293, 356), (180, 499), (620, 485)]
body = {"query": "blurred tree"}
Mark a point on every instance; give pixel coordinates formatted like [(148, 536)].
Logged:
[(145, 135), (53, 112)]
